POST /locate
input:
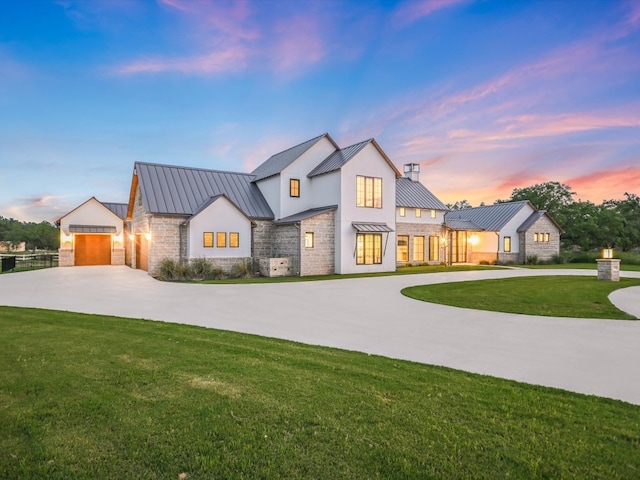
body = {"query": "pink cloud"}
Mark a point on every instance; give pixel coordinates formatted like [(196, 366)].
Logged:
[(298, 43), (606, 184), (414, 10), (227, 60)]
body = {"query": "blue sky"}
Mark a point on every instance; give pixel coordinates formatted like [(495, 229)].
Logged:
[(486, 95)]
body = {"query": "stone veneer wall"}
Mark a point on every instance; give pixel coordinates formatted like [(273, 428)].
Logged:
[(140, 221), (425, 230), (65, 257), (261, 238), (117, 256), (285, 243), (319, 260), (168, 240), (544, 250), (477, 257)]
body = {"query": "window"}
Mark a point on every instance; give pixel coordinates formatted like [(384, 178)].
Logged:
[(433, 213), (221, 239), (418, 249), (294, 187), (403, 212), (418, 213), (368, 192), (207, 239), (434, 248), (507, 244), (308, 240), (546, 237), (234, 240), (535, 237), (368, 248), (403, 248)]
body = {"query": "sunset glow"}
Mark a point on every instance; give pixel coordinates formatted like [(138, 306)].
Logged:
[(486, 96)]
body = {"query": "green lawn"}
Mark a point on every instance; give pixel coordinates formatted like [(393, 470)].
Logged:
[(399, 271), (556, 296), (88, 397), (590, 266)]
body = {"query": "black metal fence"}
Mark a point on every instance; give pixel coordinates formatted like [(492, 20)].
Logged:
[(20, 263)]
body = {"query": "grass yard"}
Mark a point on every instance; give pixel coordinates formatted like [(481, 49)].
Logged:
[(556, 296), (583, 266), (102, 397), (399, 271)]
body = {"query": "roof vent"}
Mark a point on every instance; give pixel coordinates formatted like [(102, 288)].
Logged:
[(412, 172)]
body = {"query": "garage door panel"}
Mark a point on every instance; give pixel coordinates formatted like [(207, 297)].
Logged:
[(93, 249)]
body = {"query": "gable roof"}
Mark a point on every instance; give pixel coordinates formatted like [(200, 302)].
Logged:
[(275, 164), (338, 159), (212, 200), (490, 217), (416, 195), (533, 218), (174, 190), (120, 209)]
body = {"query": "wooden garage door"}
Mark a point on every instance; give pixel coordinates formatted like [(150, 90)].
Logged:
[(93, 249)]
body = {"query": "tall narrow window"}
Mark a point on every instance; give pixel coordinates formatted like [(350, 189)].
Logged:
[(507, 244), (207, 239), (403, 212), (546, 237), (403, 248), (294, 187), (308, 240), (434, 248), (535, 237), (368, 248), (433, 213), (368, 192), (221, 239), (418, 213), (418, 249), (234, 240)]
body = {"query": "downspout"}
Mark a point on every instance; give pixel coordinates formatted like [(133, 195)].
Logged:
[(299, 266)]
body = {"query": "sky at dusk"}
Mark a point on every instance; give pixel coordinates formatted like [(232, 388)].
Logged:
[(486, 95)]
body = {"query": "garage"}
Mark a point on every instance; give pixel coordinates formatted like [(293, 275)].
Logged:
[(92, 249)]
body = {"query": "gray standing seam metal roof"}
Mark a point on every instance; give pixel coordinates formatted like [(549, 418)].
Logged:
[(120, 209), (533, 218), (174, 190), (491, 217), (416, 195), (92, 228), (337, 159), (278, 162), (312, 212), (371, 227), (463, 225)]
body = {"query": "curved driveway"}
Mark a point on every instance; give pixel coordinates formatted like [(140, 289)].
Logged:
[(600, 357)]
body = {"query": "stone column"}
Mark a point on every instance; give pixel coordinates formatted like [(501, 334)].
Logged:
[(609, 269)]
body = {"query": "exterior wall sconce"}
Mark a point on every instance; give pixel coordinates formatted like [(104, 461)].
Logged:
[(443, 241), (607, 253), (117, 239), (474, 240), (131, 236), (65, 238), (147, 236)]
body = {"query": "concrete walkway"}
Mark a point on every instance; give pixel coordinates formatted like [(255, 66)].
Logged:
[(600, 357)]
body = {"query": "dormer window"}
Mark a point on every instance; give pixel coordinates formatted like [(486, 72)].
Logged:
[(294, 187)]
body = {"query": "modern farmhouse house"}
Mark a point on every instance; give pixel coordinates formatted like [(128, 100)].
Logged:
[(312, 209)]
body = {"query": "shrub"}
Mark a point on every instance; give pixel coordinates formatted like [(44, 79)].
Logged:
[(200, 268), (483, 262), (558, 258), (169, 270), (532, 259), (582, 257), (243, 269)]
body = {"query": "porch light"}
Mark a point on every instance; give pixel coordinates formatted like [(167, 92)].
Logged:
[(118, 238), (65, 238), (147, 236), (607, 253), (131, 236), (443, 240), (474, 240)]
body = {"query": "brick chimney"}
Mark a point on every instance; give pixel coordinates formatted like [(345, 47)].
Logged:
[(412, 171)]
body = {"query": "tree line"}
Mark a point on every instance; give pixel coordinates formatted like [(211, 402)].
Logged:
[(586, 225), (41, 236)]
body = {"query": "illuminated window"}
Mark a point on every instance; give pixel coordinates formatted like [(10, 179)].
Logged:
[(433, 213), (418, 249), (221, 239), (403, 248), (234, 240), (535, 237), (368, 248), (546, 237), (418, 213), (368, 192), (507, 244), (434, 248), (402, 212), (207, 239), (294, 187), (308, 240)]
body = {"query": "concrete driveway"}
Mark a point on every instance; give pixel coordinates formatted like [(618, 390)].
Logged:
[(599, 357)]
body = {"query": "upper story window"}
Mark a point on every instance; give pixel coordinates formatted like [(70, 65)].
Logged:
[(294, 187), (368, 192), (418, 213)]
